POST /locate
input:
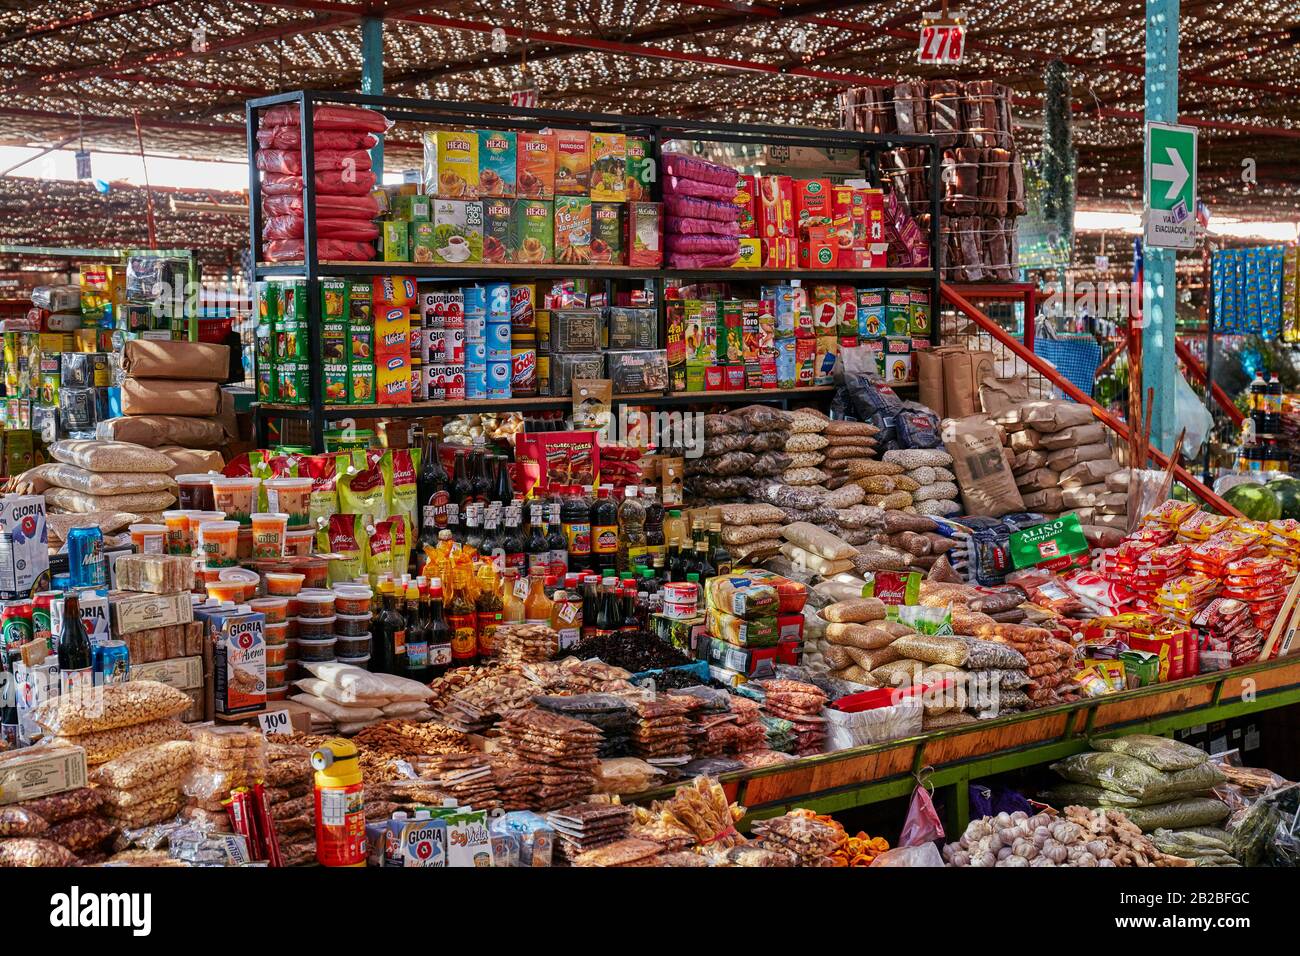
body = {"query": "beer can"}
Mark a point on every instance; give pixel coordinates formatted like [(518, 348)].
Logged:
[(86, 565), (41, 629), (112, 663), (15, 623)]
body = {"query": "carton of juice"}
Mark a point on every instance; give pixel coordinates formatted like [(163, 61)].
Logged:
[(451, 172), (535, 165), (608, 174), (639, 170), (499, 244), (496, 162), (393, 380), (572, 162), (573, 230), (534, 231)]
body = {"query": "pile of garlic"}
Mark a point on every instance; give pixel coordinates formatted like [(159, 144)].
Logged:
[(1087, 838)]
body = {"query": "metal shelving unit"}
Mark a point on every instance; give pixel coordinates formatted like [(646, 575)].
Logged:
[(497, 116)]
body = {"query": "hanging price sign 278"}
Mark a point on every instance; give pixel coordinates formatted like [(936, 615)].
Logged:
[(943, 38)]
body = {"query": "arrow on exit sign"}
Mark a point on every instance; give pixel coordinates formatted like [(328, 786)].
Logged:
[(1175, 172), (1170, 186)]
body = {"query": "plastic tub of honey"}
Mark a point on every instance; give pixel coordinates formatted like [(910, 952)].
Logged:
[(269, 529), (315, 627), (276, 633), (292, 497), (282, 584), (315, 571), (298, 544), (244, 544), (352, 599), (277, 693), (362, 661), (315, 650), (352, 646), (249, 579), (226, 590), (275, 655), (315, 602), (276, 676), (351, 625), (276, 609), (237, 497), (149, 538), (219, 543), (195, 492)]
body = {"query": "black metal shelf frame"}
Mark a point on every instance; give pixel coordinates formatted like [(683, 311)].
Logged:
[(501, 116)]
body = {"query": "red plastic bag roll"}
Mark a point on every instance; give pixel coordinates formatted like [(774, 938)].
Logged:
[(291, 227), (330, 182), (284, 250), (289, 161), (333, 207)]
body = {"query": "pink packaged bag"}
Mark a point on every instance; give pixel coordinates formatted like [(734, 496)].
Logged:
[(355, 118), (330, 182), (677, 186), (692, 207), (694, 260), (687, 226), (712, 245), (922, 824), (690, 167), (286, 137)]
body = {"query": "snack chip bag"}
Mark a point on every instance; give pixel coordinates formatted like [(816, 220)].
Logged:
[(362, 489), (343, 535)]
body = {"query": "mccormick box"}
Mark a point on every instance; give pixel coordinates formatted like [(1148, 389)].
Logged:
[(747, 200), (535, 165), (238, 659), (534, 231), (496, 162), (775, 207), (451, 164), (608, 173), (607, 232), (644, 243), (639, 169), (572, 230), (499, 243), (457, 231), (572, 162)]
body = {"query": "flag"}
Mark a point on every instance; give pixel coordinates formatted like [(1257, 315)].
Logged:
[(1203, 214)]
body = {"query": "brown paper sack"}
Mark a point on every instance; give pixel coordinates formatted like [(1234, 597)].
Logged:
[(929, 376), (164, 396), (191, 361), (962, 373), (987, 485), (153, 431)]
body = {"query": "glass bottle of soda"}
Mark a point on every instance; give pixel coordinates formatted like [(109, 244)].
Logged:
[(417, 636), (654, 522), (631, 530), (438, 632), (462, 489), (556, 542), (76, 656), (512, 540), (433, 488), (388, 644), (462, 619), (503, 489), (473, 529), (478, 476), (537, 548), (492, 548), (609, 618)]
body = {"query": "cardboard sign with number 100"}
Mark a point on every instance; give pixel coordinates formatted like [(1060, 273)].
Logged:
[(943, 38)]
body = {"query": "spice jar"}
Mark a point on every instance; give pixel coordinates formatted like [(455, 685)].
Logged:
[(315, 627), (315, 650), (315, 602)]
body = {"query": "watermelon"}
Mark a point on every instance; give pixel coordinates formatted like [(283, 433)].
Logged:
[(1254, 501), (1288, 495)]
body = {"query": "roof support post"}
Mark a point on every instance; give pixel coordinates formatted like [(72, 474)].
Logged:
[(372, 79), (1159, 285)]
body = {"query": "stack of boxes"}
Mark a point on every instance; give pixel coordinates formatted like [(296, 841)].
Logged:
[(347, 341), (791, 336), (810, 224), (556, 196)]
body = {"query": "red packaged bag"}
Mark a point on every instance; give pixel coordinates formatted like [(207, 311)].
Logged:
[(291, 227), (330, 182), (355, 118), (288, 250), (327, 206), (289, 161), (286, 137)]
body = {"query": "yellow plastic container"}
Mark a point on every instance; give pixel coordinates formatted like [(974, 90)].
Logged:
[(340, 805)]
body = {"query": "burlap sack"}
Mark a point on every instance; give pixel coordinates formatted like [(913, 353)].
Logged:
[(191, 361)]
